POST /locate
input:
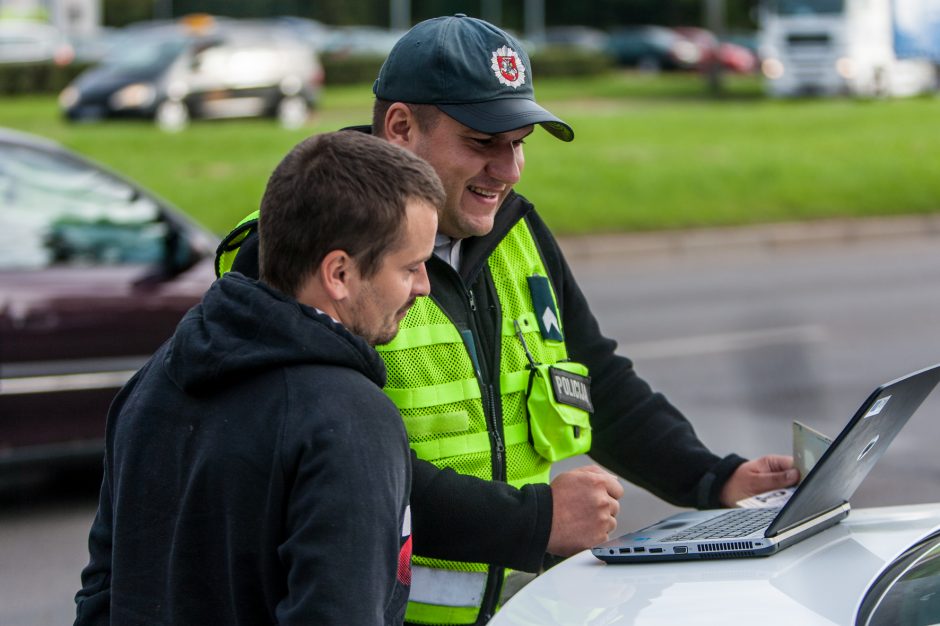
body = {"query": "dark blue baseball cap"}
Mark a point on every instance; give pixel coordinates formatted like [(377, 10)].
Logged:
[(471, 70)]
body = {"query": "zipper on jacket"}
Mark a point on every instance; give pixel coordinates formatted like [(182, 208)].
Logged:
[(494, 587), (488, 398), (499, 467), (495, 573)]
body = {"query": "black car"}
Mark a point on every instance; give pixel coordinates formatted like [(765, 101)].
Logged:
[(652, 48), (95, 273), (209, 68)]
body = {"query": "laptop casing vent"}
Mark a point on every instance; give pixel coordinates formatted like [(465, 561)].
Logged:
[(725, 546), (726, 555)]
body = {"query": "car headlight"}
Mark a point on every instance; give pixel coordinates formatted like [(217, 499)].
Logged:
[(69, 97), (846, 68), (135, 96), (772, 68), (687, 52)]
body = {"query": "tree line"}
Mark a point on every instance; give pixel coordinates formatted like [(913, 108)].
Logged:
[(603, 14)]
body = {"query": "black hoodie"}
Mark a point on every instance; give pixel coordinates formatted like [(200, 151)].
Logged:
[(255, 473)]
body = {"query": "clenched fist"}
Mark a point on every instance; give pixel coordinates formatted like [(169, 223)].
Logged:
[(584, 509)]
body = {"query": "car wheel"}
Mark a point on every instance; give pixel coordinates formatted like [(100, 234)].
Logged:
[(292, 112), (172, 116)]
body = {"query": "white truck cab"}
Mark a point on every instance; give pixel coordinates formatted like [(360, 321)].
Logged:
[(854, 47)]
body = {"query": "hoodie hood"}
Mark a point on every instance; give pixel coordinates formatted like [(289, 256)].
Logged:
[(243, 327)]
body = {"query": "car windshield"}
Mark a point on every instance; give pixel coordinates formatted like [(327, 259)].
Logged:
[(55, 210), (906, 593), (806, 7), (145, 53)]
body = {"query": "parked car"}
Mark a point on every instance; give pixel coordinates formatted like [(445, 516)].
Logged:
[(652, 48), (24, 41), (95, 272), (737, 58), (878, 567), (348, 41), (730, 56), (577, 37), (209, 68), (706, 42), (315, 33)]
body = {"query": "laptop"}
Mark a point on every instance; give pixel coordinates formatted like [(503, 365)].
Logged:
[(821, 500)]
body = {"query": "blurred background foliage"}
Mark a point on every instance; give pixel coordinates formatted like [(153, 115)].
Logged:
[(597, 13)]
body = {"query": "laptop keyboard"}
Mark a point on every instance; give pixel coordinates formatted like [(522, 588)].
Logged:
[(736, 523)]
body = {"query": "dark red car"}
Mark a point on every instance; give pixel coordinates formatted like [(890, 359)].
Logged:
[(731, 56), (94, 275)]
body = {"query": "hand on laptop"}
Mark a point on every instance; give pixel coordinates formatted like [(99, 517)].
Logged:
[(769, 472), (584, 509)]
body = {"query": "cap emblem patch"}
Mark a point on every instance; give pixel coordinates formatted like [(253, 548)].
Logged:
[(508, 67)]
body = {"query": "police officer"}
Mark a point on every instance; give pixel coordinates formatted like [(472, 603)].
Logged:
[(503, 369)]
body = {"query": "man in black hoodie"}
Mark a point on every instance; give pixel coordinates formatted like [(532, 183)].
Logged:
[(254, 471)]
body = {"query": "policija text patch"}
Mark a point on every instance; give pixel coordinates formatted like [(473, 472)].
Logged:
[(571, 389)]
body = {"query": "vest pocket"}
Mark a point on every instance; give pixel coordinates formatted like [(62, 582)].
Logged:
[(558, 404)]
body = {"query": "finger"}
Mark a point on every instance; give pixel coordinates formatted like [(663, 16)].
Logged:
[(614, 507), (611, 482), (614, 488), (777, 480), (778, 462)]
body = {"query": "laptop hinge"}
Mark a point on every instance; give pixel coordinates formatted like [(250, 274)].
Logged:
[(838, 512)]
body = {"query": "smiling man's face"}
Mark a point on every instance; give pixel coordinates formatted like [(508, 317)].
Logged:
[(478, 171)]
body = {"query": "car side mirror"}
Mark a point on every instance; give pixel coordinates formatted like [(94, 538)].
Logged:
[(178, 255)]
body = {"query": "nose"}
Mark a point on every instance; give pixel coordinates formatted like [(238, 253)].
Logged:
[(422, 284), (506, 165)]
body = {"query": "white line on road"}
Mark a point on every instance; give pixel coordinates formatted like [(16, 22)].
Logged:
[(726, 342)]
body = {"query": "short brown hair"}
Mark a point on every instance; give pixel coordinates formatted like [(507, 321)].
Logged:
[(338, 191), (426, 115)]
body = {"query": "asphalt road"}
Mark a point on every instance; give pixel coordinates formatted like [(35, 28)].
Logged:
[(743, 339)]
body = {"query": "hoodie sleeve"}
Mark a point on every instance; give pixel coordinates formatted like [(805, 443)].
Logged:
[(93, 600), (348, 467), (637, 432)]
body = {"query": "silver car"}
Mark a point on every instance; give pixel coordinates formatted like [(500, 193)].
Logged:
[(213, 68)]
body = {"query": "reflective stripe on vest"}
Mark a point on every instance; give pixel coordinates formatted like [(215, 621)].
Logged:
[(432, 380), (431, 585)]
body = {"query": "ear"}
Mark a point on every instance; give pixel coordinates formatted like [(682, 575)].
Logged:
[(400, 126), (337, 271)]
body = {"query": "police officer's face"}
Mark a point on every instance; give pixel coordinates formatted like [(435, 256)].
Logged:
[(379, 303), (477, 170)]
